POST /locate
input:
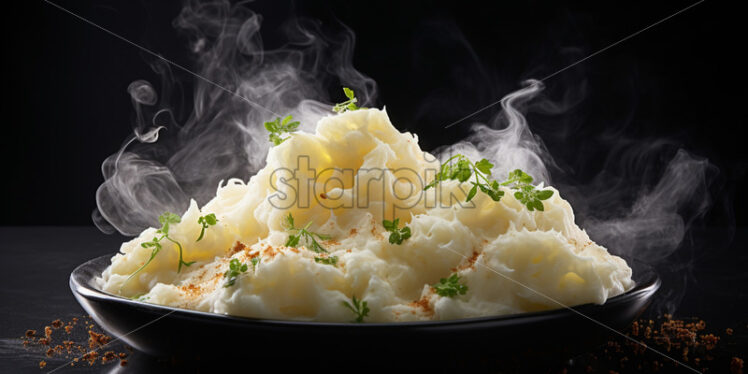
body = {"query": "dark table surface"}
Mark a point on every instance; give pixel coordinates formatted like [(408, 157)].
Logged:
[(706, 278)]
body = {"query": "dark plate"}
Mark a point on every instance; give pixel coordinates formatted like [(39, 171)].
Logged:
[(539, 336)]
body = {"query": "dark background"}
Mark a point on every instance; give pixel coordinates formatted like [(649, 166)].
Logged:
[(68, 108)]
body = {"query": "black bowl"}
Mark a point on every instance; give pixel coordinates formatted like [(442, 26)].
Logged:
[(527, 338)]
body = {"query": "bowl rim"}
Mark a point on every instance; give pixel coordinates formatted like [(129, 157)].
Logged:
[(84, 275)]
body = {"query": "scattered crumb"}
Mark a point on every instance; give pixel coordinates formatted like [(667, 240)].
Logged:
[(68, 349), (736, 366), (686, 340), (91, 357)]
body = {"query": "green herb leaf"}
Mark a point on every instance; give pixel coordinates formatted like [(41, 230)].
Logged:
[(396, 235), (289, 225), (348, 93), (492, 190), (519, 177), (293, 241), (156, 248), (358, 307), (330, 260), (278, 127), (316, 247), (459, 167), (165, 220), (255, 261), (236, 268), (472, 192), (206, 221), (526, 193), (296, 234), (349, 104), (450, 287), (484, 166), (544, 194)]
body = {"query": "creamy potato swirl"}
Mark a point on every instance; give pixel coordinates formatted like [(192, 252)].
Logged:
[(355, 171)]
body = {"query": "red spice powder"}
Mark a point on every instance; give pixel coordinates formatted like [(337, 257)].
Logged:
[(269, 252), (424, 304), (470, 264), (238, 247), (191, 290)]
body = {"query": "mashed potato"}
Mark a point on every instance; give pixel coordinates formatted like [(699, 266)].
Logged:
[(344, 180)]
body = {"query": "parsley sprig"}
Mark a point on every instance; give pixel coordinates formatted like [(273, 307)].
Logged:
[(166, 220), (206, 221), (280, 126), (329, 260), (396, 235), (525, 192), (236, 268), (359, 307), (449, 287), (308, 236), (349, 104), (459, 167)]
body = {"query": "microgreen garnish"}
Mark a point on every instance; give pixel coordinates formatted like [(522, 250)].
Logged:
[(235, 269), (462, 169), (396, 235), (449, 287), (349, 104), (359, 307), (279, 127), (166, 219), (330, 260), (293, 240), (526, 193), (206, 221), (255, 261)]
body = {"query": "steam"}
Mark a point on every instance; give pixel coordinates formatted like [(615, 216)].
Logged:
[(640, 205), (507, 141), (224, 137), (628, 207)]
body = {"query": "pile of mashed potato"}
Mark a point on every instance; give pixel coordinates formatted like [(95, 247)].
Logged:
[(345, 179)]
